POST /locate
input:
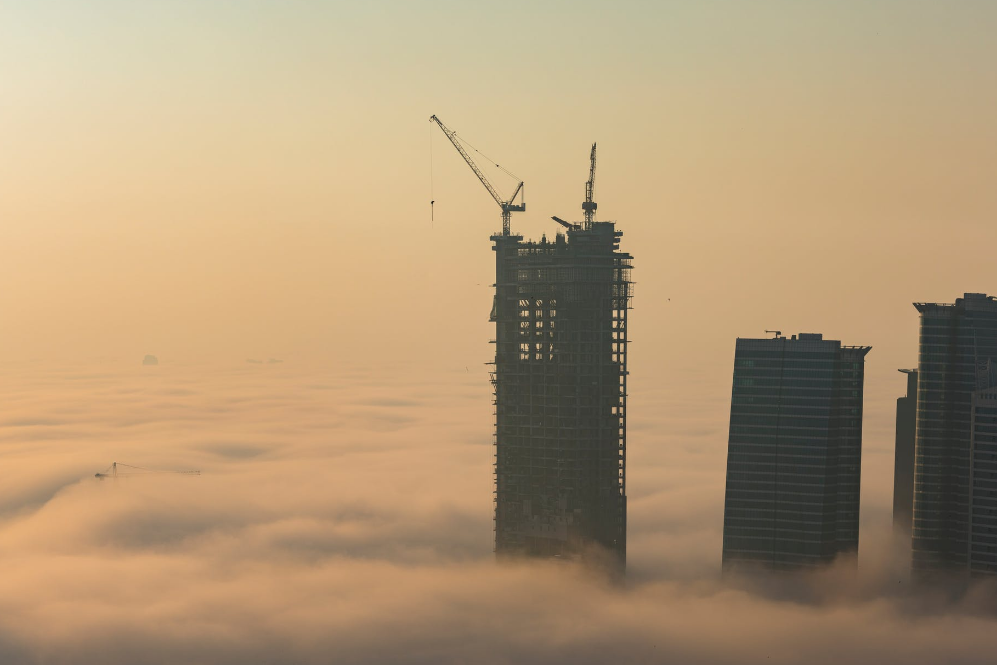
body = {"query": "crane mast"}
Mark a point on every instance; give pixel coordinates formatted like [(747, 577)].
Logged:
[(589, 206), (507, 205)]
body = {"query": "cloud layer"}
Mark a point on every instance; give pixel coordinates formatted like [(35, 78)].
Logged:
[(345, 516)]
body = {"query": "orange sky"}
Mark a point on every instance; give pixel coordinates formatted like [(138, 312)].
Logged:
[(240, 181), (225, 180), (214, 182)]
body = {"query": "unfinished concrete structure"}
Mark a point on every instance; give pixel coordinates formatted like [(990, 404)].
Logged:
[(560, 380)]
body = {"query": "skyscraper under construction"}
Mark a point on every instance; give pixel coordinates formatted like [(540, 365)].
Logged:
[(560, 382)]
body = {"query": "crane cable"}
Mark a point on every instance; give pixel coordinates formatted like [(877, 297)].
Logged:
[(499, 166), (142, 468), (432, 195), (139, 468)]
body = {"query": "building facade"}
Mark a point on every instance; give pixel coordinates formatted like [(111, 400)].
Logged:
[(955, 341), (560, 380), (794, 452), (983, 495), (903, 464)]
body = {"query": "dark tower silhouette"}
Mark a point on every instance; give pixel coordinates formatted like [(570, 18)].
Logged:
[(956, 341), (794, 453), (903, 463), (560, 378)]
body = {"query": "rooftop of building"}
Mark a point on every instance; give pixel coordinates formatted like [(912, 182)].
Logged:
[(584, 235), (969, 301), (801, 339)]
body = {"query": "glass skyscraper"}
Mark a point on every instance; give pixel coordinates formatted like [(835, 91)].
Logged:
[(956, 343), (794, 452)]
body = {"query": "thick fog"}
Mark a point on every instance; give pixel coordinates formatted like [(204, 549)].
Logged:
[(343, 514), (212, 182)]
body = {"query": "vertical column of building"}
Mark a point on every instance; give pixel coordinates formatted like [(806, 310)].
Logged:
[(848, 445), (903, 466), (802, 449), (953, 339), (982, 550), (940, 495), (507, 383), (618, 396)]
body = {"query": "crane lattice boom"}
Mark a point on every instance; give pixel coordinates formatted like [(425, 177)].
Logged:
[(507, 205)]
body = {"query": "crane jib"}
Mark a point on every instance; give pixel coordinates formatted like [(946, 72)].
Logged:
[(507, 205)]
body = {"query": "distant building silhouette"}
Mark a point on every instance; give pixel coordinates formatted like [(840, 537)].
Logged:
[(560, 378), (903, 465), (956, 340), (794, 452)]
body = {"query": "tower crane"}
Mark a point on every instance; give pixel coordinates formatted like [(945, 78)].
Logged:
[(589, 205), (117, 469), (507, 205)]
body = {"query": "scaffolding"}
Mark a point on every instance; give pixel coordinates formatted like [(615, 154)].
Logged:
[(560, 386)]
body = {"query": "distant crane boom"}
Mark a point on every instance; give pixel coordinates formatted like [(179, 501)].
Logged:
[(130, 470), (508, 207)]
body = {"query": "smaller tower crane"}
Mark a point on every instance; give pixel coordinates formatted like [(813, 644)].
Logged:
[(589, 206), (507, 205)]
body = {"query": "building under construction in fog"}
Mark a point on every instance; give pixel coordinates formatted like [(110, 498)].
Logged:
[(560, 382), (560, 379)]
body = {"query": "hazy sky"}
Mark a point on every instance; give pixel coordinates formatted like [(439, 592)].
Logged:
[(195, 178), (232, 180)]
